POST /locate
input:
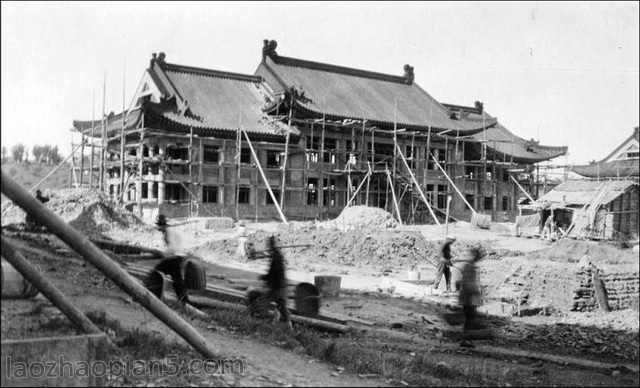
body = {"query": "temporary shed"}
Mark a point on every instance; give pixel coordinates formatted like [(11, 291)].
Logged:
[(594, 209)]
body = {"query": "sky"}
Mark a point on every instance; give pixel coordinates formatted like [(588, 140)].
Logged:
[(563, 73)]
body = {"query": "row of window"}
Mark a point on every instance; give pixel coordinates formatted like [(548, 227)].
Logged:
[(488, 202)]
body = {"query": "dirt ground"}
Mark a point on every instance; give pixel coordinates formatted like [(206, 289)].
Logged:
[(408, 343)]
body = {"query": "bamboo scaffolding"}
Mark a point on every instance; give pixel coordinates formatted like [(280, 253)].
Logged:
[(122, 138), (32, 189), (454, 186), (286, 154), (264, 177), (393, 194), (419, 189)]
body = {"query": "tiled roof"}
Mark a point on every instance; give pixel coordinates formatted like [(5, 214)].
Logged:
[(614, 169), (212, 99), (634, 136), (581, 192), (114, 124), (505, 144), (347, 93)]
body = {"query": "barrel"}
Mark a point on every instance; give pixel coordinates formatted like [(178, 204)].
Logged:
[(156, 284), (307, 298), (195, 277), (14, 285), (329, 286)]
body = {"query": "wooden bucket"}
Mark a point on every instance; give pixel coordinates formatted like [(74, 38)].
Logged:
[(14, 285), (307, 297), (195, 277), (156, 283), (329, 286)]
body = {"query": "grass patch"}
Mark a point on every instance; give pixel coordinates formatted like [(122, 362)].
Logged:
[(136, 342)]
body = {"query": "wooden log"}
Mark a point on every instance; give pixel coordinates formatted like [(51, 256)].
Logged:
[(313, 322), (13, 256), (600, 291), (112, 270)]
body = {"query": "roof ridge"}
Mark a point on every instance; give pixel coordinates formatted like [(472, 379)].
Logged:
[(212, 73), (295, 62)]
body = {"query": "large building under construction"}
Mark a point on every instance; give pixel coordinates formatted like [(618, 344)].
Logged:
[(300, 140)]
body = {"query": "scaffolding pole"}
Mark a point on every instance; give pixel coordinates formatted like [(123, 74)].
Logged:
[(454, 185), (286, 154), (419, 189), (264, 177), (393, 195)]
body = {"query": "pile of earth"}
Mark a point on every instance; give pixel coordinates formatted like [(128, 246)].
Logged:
[(549, 278), (573, 250), (364, 247), (356, 217), (89, 211)]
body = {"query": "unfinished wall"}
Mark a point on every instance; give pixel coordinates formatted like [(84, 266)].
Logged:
[(622, 287)]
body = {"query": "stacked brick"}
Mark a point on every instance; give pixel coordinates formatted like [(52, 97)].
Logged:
[(622, 288), (219, 223)]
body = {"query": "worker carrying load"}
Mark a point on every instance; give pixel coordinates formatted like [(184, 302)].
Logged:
[(174, 258), (444, 265)]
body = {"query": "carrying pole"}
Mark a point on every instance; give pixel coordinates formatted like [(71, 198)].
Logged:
[(104, 263)]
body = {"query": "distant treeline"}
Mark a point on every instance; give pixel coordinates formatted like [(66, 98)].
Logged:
[(45, 154)]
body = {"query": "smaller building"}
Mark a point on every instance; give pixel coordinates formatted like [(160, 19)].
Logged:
[(593, 209), (622, 163)]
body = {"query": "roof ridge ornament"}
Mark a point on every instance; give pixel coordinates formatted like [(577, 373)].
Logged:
[(408, 74), (269, 49), (157, 58)]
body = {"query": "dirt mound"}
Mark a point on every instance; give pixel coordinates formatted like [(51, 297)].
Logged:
[(363, 247), (573, 250), (356, 217), (89, 211)]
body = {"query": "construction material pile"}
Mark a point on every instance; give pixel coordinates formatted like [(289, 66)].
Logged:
[(560, 278), (330, 246), (91, 212), (357, 217)]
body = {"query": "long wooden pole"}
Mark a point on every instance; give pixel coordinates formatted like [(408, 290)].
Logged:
[(264, 177), (122, 138), (454, 185), (93, 144), (395, 155), (103, 138), (140, 166), (82, 159), (238, 159), (106, 265), (22, 265), (358, 189), (286, 154), (31, 190), (521, 188), (393, 194), (419, 189)]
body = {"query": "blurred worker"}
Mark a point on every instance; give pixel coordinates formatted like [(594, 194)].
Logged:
[(277, 282), (174, 258), (444, 265), (470, 296), (30, 221), (548, 229), (241, 235)]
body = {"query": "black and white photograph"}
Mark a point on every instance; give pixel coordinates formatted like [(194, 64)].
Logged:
[(281, 194)]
